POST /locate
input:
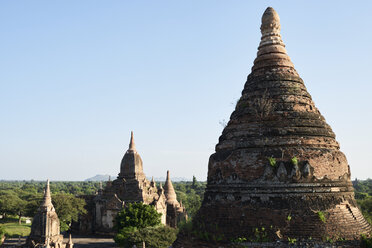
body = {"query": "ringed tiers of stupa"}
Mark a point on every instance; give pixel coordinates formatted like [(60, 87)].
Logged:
[(277, 164)]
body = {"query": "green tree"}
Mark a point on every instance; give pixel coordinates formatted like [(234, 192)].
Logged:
[(194, 182), (138, 223), (137, 215), (11, 204), (157, 237), (366, 206), (32, 205), (68, 208)]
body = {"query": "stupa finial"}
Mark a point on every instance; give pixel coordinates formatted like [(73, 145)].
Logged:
[(132, 146), (270, 21)]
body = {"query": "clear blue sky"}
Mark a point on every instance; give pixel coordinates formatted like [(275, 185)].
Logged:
[(77, 76)]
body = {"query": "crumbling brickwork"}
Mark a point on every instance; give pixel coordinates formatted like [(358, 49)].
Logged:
[(277, 164)]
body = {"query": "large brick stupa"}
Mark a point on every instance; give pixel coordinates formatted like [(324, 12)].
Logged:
[(277, 168)]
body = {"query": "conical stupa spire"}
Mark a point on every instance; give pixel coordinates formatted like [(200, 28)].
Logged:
[(47, 201), (132, 145), (277, 156), (169, 192)]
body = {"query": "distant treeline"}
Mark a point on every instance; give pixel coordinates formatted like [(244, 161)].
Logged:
[(65, 187)]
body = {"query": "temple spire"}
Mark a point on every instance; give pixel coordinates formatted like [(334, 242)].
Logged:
[(47, 201), (169, 192), (132, 145)]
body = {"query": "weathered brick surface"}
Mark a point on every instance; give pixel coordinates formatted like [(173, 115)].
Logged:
[(276, 118)]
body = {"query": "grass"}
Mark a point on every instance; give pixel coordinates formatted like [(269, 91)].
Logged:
[(13, 229), (16, 230)]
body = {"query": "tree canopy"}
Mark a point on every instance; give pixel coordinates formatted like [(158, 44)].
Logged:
[(137, 215), (138, 223), (68, 208)]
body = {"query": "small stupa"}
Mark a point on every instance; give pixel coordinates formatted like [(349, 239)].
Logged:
[(278, 169), (169, 191), (175, 211), (45, 228)]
